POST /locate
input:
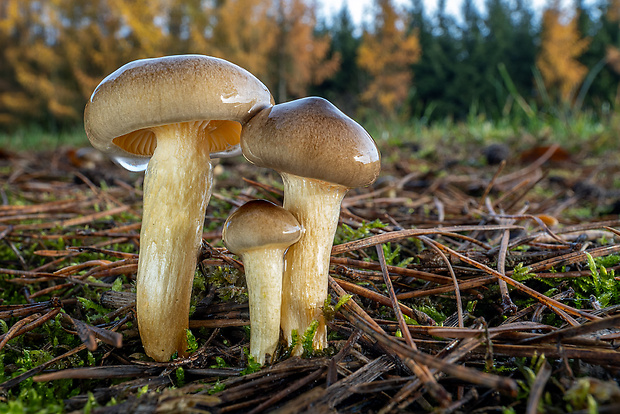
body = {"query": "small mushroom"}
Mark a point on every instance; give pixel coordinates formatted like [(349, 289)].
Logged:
[(320, 154), (173, 113), (260, 232)]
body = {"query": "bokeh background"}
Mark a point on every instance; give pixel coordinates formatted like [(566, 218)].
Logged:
[(504, 59)]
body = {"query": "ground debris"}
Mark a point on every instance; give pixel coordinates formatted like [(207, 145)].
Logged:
[(418, 318)]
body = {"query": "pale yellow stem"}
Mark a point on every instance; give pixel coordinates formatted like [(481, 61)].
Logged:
[(263, 273), (177, 188), (316, 206)]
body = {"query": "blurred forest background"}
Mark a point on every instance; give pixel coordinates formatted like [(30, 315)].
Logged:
[(500, 63)]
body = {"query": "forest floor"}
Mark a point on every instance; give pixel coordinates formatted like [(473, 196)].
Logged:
[(476, 286)]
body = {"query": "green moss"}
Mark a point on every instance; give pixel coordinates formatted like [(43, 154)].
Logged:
[(251, 366), (345, 233), (192, 342)]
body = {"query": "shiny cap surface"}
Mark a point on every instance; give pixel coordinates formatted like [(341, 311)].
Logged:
[(260, 224), (153, 92), (312, 138)]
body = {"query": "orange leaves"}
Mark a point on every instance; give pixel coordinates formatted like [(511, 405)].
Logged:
[(244, 34), (561, 46), (54, 53), (387, 53), (300, 55), (275, 40), (32, 62), (140, 19)]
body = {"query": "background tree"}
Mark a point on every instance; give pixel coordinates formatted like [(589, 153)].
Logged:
[(510, 46), (386, 53), (436, 70), (521, 53), (300, 58), (143, 28), (244, 34), (58, 51), (459, 72), (41, 91), (471, 84), (9, 88), (89, 43), (345, 85), (604, 32), (561, 47), (53, 53)]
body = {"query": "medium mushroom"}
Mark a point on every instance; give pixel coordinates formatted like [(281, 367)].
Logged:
[(320, 154), (260, 232), (173, 113)]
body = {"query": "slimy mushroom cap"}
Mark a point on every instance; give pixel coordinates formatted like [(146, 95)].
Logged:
[(148, 93), (260, 224), (312, 138)]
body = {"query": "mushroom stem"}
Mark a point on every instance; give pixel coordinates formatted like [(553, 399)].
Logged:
[(265, 296), (177, 188), (316, 206)]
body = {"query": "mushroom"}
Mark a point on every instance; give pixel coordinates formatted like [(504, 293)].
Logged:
[(320, 154), (260, 232), (173, 113)]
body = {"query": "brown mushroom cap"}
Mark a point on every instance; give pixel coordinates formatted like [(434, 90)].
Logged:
[(260, 224), (312, 138), (168, 90)]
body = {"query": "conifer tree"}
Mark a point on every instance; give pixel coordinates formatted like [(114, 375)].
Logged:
[(40, 91), (436, 70), (604, 49), (90, 43), (143, 26), (510, 44), (471, 84), (344, 86), (521, 53), (387, 52), (561, 47), (300, 58), (244, 34)]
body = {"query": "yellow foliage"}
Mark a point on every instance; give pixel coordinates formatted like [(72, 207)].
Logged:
[(301, 56), (91, 51), (244, 34), (561, 46), (140, 21), (387, 53), (198, 18), (17, 102), (613, 10), (35, 64), (53, 53)]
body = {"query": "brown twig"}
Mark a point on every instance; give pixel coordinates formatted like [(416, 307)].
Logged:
[(403, 234)]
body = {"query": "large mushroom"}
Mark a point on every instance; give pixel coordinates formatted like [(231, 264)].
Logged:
[(260, 232), (172, 113), (320, 154)]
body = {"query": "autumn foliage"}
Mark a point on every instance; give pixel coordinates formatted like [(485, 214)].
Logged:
[(561, 47), (54, 53), (403, 60), (386, 53)]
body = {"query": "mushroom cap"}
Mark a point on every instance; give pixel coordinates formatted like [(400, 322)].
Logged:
[(312, 138), (153, 92), (260, 224)]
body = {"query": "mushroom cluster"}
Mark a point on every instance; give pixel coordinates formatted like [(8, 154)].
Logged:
[(260, 232), (320, 153), (170, 115)]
